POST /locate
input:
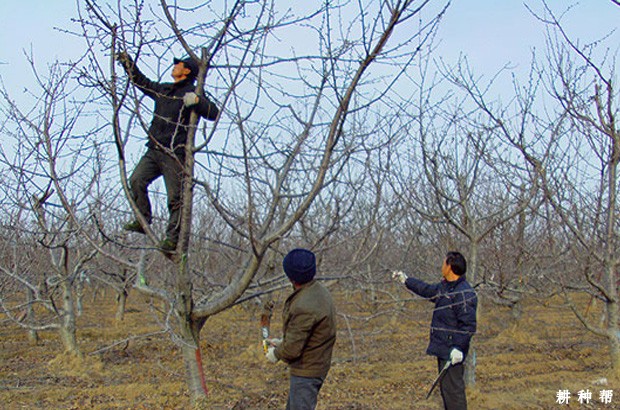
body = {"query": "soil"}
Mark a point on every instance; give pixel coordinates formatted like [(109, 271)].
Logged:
[(379, 360)]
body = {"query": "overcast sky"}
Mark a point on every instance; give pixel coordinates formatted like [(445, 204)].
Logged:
[(490, 32)]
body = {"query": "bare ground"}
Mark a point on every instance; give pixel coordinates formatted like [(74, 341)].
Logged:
[(379, 361)]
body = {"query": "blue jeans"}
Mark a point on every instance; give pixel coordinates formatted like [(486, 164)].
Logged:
[(303, 392)]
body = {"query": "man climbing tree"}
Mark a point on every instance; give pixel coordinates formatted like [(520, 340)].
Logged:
[(167, 134)]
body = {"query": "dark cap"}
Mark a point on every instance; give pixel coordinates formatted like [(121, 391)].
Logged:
[(300, 265), (188, 63)]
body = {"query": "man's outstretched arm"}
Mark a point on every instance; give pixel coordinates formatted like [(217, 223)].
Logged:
[(148, 87)]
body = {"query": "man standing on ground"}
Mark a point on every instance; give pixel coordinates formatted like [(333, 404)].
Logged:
[(452, 326), (167, 135), (309, 328)]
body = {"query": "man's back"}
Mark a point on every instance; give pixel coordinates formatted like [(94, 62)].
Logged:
[(310, 330)]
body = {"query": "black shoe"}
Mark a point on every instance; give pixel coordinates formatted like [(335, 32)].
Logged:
[(134, 226), (168, 246)]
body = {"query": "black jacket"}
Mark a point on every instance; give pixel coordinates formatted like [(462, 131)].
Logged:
[(170, 118), (454, 317)]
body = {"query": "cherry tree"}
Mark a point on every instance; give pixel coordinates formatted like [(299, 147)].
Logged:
[(282, 140)]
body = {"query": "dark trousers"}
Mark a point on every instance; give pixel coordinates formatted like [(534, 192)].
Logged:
[(303, 392), (150, 167), (452, 386)]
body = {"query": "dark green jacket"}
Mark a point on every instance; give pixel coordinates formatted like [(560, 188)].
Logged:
[(309, 331)]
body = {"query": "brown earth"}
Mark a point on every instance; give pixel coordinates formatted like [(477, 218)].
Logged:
[(379, 361)]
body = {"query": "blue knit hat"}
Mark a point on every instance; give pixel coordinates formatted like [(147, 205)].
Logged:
[(300, 265)]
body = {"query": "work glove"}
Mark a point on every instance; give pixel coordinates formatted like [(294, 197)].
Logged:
[(274, 342), (270, 355), (190, 99), (456, 356), (399, 276)]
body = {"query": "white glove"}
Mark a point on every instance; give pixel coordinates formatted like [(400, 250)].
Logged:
[(456, 356), (270, 355), (274, 342), (399, 276), (190, 99)]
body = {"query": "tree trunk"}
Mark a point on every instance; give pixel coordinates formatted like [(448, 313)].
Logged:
[(67, 324), (613, 315), (614, 352), (192, 358), (517, 308), (611, 251), (470, 360), (95, 289), (121, 305), (190, 325), (78, 301), (33, 335), (516, 311)]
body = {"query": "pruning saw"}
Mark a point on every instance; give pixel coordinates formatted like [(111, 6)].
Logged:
[(265, 322), (439, 377)]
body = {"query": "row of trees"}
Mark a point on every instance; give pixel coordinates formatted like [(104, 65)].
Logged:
[(356, 145)]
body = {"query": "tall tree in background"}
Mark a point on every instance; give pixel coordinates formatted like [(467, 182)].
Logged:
[(49, 173), (582, 182), (572, 144)]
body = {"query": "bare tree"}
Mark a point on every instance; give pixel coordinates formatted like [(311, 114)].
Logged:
[(42, 134), (287, 121), (580, 79), (571, 143)]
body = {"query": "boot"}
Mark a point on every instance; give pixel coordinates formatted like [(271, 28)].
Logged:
[(134, 226)]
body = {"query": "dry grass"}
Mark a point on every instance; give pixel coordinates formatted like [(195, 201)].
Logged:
[(383, 366)]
